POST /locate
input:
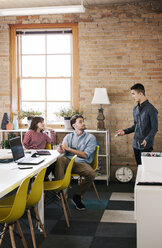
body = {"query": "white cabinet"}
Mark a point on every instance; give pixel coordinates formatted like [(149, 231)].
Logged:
[(102, 137), (148, 213)]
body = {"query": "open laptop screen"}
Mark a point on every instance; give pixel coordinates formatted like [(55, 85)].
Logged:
[(16, 148)]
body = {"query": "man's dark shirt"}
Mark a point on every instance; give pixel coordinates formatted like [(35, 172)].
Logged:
[(145, 124)]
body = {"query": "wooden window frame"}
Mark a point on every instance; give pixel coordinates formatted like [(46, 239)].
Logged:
[(15, 93)]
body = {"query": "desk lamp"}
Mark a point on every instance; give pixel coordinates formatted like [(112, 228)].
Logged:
[(100, 97)]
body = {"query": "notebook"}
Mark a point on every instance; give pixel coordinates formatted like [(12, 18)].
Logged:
[(19, 156), (43, 152)]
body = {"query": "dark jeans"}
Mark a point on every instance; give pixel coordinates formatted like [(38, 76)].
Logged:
[(137, 154)]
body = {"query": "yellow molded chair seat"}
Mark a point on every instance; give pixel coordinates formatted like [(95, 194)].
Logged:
[(32, 199), (94, 165), (59, 186), (48, 146), (11, 209)]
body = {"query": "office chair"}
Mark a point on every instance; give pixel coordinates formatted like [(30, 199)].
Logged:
[(59, 186), (32, 199), (11, 210), (94, 165)]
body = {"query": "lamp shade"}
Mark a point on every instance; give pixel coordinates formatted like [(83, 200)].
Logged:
[(100, 96)]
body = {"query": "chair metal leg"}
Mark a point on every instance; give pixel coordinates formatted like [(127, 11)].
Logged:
[(93, 187), (13, 226), (31, 228), (64, 209), (12, 236), (96, 191), (40, 222), (66, 202), (80, 180), (3, 233), (45, 196), (21, 234)]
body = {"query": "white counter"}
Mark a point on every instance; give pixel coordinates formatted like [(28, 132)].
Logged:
[(148, 210)]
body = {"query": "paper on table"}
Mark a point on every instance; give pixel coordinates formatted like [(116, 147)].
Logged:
[(5, 154)]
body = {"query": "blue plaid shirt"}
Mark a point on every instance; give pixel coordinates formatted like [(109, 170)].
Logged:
[(86, 143)]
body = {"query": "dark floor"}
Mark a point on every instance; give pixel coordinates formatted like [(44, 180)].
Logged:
[(108, 223)]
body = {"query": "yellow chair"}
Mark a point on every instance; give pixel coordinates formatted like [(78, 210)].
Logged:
[(48, 146), (11, 209), (94, 165), (59, 186), (32, 199)]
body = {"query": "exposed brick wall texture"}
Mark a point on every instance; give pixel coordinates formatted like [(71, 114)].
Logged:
[(119, 45)]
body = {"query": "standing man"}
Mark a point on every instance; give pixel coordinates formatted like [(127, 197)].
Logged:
[(83, 145), (145, 123)]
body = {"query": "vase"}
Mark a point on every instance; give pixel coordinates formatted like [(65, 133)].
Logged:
[(5, 121), (9, 126), (15, 122), (67, 123)]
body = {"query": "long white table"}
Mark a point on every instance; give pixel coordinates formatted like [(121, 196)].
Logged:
[(11, 176)]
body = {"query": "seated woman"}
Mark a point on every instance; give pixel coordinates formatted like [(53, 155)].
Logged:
[(36, 138)]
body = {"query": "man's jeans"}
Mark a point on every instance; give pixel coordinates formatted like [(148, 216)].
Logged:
[(82, 169)]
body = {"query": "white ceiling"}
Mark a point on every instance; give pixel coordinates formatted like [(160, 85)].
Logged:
[(5, 4)]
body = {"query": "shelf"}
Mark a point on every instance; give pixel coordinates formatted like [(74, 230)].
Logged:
[(12, 131), (101, 177), (87, 130), (103, 155)]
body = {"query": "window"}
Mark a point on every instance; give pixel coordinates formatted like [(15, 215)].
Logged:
[(47, 75)]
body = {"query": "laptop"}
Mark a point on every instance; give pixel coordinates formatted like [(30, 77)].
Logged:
[(19, 156)]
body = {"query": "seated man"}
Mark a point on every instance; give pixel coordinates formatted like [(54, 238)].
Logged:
[(83, 145)]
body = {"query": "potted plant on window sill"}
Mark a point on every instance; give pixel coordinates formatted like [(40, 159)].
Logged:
[(29, 114), (67, 113)]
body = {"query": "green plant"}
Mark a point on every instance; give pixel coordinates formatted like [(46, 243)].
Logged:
[(64, 112), (28, 113), (77, 112), (68, 112), (5, 143)]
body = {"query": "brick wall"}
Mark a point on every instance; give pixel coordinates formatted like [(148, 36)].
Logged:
[(119, 45)]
